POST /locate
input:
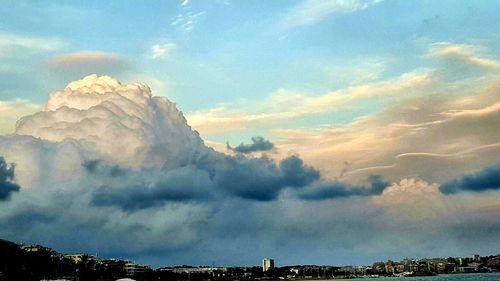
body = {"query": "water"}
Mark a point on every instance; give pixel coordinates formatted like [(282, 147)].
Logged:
[(445, 277)]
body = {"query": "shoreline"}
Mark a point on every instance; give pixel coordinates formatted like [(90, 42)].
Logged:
[(368, 277)]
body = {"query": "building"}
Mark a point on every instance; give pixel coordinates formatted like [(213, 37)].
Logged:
[(75, 258), (35, 248), (465, 269), (476, 258), (131, 268), (494, 261), (267, 264), (114, 266)]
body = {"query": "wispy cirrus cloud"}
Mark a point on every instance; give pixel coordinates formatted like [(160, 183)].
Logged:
[(412, 137), (18, 51), (186, 19), (286, 105), (162, 51), (468, 54), (15, 44), (311, 12)]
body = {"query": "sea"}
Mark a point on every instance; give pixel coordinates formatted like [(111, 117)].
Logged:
[(444, 277)]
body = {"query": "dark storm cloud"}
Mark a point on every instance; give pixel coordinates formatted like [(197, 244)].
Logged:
[(91, 165), (7, 185), (296, 174), (96, 166), (335, 189), (258, 144), (134, 190), (255, 179), (259, 179), (483, 180)]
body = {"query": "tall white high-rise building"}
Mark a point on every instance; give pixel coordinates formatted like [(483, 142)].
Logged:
[(267, 264)]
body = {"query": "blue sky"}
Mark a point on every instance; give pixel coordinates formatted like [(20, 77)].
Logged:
[(405, 90), (229, 51)]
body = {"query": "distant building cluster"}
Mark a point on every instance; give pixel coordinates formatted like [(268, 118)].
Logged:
[(124, 268), (406, 267), (26, 262), (35, 262)]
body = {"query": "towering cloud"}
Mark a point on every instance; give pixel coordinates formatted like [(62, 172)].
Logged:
[(123, 123), (99, 145), (97, 124)]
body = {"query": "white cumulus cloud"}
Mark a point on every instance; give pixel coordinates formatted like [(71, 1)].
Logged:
[(124, 123)]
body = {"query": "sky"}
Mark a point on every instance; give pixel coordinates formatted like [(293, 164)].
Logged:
[(220, 132)]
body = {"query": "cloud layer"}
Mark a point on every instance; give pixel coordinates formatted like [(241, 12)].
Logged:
[(101, 147), (99, 144)]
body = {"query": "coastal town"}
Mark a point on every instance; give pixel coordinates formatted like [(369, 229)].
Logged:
[(36, 262)]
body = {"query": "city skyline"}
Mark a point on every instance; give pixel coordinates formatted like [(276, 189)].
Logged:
[(266, 264), (202, 132), (33, 262)]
